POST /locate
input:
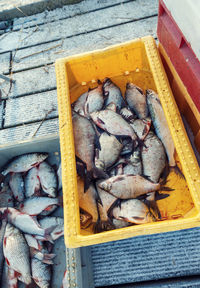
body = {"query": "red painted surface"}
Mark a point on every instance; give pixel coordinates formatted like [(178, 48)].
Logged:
[(180, 53)]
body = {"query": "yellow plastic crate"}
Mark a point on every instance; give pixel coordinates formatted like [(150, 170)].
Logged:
[(137, 61)]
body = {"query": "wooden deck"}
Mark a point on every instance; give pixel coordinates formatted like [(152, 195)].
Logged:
[(28, 50)]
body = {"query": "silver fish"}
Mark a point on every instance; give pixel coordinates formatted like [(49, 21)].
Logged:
[(110, 150), (41, 273), (17, 186), (58, 222), (113, 123), (34, 206), (84, 138), (50, 210), (24, 222), (136, 100), (16, 252), (32, 183), (9, 278), (24, 162), (113, 93), (141, 127), (153, 157), (107, 201), (48, 179), (59, 175), (79, 105), (128, 186), (94, 100), (127, 114), (161, 126), (133, 211)]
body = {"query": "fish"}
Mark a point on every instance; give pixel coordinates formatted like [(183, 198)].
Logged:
[(58, 222), (129, 186), (107, 200), (141, 127), (16, 252), (162, 129), (128, 115), (59, 175), (135, 163), (35, 205), (24, 222), (84, 140), (88, 200), (24, 162), (41, 273), (48, 179), (43, 255), (32, 183), (79, 105), (50, 209), (6, 196), (120, 223), (113, 94), (17, 186), (94, 100), (127, 146), (113, 123), (2, 233), (109, 152), (133, 211), (153, 157), (136, 100)]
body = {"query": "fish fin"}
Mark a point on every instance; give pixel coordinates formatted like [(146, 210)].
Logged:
[(99, 174), (116, 203), (2, 178), (165, 174), (160, 196), (47, 233), (97, 143), (99, 82), (164, 188), (98, 198), (177, 170), (139, 89), (47, 261), (152, 205), (88, 177), (124, 218), (49, 256), (101, 226)]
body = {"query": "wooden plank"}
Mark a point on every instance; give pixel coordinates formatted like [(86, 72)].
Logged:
[(146, 258), (64, 12), (113, 16), (31, 108), (33, 81), (27, 131), (87, 42)]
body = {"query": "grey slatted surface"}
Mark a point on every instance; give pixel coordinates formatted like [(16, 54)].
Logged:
[(145, 258), (5, 62), (65, 12), (83, 43), (79, 24)]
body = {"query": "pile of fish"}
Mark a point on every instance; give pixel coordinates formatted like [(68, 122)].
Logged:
[(28, 195), (124, 152)]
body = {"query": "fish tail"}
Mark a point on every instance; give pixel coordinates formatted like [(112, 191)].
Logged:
[(47, 233), (177, 170), (101, 226), (165, 188), (160, 196), (152, 205)]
